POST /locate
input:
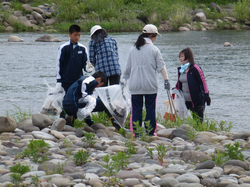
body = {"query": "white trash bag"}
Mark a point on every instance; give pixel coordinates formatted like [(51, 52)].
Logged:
[(179, 103), (82, 113), (115, 98), (54, 98)]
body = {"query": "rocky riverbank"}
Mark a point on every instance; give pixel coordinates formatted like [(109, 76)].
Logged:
[(44, 18), (187, 160)]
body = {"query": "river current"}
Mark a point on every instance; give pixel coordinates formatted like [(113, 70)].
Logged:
[(24, 65)]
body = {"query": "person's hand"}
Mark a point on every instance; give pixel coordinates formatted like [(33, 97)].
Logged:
[(167, 85), (123, 82), (208, 100)]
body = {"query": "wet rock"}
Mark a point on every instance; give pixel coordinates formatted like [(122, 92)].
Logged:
[(50, 21), (38, 17), (41, 120), (27, 8), (194, 156), (183, 29), (215, 6), (209, 164), (200, 17), (129, 174), (58, 124), (47, 38), (42, 135), (167, 182), (227, 44), (60, 182), (39, 10), (7, 124), (27, 126), (15, 39), (239, 163)]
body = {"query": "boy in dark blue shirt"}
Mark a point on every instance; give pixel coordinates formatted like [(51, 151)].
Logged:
[(83, 87), (71, 59)]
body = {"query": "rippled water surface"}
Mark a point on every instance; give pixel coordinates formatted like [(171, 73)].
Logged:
[(227, 69)]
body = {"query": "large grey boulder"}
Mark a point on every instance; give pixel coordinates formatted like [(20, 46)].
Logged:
[(15, 39), (41, 120), (40, 11), (24, 21), (215, 6), (50, 21), (194, 156), (27, 8), (48, 38), (58, 124), (38, 17), (27, 126), (200, 17), (7, 124)]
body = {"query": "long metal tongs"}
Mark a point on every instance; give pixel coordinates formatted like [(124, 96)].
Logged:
[(171, 103)]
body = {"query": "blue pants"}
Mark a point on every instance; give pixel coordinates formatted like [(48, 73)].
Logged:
[(136, 112)]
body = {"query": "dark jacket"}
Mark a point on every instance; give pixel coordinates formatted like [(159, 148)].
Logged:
[(197, 85), (70, 102), (70, 63)]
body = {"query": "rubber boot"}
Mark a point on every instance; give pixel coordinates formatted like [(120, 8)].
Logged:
[(89, 121), (115, 124)]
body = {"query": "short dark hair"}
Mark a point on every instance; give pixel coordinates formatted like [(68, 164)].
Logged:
[(102, 75), (74, 28), (187, 52)]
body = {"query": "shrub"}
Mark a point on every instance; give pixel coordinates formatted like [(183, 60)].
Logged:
[(37, 150), (242, 11), (80, 157)]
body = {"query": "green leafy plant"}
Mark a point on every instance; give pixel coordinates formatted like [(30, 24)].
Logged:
[(89, 139), (231, 152), (17, 171), (80, 157), (19, 115), (150, 152), (121, 160), (68, 145), (130, 148), (162, 150), (101, 117), (234, 152), (35, 180), (37, 150), (142, 133), (115, 163), (18, 168)]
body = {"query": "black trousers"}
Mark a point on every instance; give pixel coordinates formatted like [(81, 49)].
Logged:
[(115, 79), (197, 111)]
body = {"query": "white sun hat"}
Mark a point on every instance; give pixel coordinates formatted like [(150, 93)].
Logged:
[(95, 28), (150, 28)]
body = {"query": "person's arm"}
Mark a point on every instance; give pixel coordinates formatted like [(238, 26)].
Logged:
[(60, 64), (92, 53), (202, 82)]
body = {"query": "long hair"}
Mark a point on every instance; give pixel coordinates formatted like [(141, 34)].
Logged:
[(187, 52), (140, 40), (99, 35)]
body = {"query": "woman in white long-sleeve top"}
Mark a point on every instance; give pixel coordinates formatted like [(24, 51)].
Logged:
[(143, 63)]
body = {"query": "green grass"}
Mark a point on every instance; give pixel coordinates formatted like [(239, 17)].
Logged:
[(19, 115)]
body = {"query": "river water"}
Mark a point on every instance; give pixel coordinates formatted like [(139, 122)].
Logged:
[(24, 65)]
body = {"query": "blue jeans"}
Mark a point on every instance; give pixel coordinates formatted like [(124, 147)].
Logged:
[(136, 112)]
